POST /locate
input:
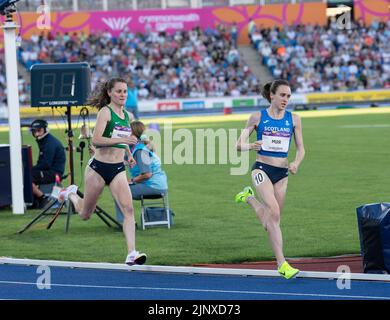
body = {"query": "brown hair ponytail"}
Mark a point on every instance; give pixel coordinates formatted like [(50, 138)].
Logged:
[(100, 97), (272, 87)]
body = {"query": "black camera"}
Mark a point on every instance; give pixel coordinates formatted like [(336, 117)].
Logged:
[(6, 5)]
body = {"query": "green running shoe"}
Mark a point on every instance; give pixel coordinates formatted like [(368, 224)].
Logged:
[(287, 271), (244, 194)]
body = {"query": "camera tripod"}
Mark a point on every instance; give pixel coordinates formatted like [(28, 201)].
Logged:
[(54, 207)]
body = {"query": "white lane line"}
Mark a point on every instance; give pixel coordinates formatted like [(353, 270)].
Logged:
[(244, 292)]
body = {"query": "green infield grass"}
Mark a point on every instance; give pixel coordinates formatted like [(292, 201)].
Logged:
[(346, 165)]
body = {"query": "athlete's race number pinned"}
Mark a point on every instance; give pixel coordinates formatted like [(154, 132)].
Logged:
[(259, 178)]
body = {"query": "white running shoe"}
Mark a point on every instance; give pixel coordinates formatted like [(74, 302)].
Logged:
[(135, 258), (64, 194)]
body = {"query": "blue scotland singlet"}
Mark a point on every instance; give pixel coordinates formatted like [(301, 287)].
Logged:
[(275, 134)]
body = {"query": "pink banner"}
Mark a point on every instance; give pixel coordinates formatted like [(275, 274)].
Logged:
[(171, 20), (157, 20)]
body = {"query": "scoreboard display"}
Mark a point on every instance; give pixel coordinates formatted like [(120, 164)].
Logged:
[(60, 84)]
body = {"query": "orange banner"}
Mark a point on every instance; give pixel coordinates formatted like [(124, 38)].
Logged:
[(371, 10), (268, 16)]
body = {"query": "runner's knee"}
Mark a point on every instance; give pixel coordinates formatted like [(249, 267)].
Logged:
[(86, 211), (128, 210), (274, 214), (85, 216)]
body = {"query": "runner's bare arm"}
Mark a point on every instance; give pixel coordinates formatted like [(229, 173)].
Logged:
[(242, 144), (300, 149)]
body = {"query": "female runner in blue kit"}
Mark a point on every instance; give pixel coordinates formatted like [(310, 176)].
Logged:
[(274, 127)]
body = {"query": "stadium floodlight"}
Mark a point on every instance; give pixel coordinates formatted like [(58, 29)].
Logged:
[(7, 6)]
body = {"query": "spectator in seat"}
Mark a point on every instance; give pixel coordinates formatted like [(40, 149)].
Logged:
[(147, 177)]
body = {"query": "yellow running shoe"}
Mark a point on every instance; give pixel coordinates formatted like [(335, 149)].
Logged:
[(287, 271), (244, 194)]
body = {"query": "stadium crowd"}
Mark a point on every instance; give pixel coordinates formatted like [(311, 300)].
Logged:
[(191, 63), (315, 58), (207, 63)]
